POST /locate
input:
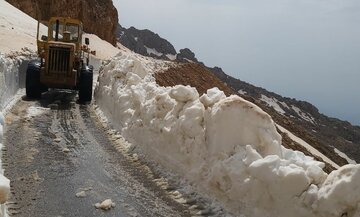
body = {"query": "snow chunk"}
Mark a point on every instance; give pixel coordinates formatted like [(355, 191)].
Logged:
[(105, 205), (81, 194), (184, 93), (212, 96), (234, 121), (309, 147), (339, 193)]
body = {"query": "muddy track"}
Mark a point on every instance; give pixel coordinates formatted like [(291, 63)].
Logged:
[(52, 154)]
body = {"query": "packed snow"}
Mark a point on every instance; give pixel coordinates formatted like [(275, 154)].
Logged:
[(226, 146), (272, 102), (17, 29)]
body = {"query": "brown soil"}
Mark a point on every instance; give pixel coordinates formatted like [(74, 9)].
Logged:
[(192, 74)]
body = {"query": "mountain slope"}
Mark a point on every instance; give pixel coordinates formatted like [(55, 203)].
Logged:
[(302, 118)]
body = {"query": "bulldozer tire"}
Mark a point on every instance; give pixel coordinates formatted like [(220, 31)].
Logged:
[(33, 85), (85, 85)]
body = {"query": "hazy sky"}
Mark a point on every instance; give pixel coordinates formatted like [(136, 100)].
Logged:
[(305, 49)]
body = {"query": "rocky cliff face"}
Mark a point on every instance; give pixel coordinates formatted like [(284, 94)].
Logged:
[(99, 17), (300, 117), (146, 43)]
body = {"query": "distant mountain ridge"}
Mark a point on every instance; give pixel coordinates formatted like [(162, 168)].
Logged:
[(327, 134), (148, 43)]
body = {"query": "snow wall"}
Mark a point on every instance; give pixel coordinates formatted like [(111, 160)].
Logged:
[(12, 77), (227, 146)]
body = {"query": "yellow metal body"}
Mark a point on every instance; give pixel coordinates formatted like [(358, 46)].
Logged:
[(61, 53)]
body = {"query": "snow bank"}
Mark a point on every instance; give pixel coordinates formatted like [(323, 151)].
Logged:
[(12, 74), (227, 146), (4, 182)]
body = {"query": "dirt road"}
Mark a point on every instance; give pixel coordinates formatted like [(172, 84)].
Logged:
[(52, 154)]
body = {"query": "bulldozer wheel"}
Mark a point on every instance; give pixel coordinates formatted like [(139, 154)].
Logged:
[(33, 85), (85, 85)]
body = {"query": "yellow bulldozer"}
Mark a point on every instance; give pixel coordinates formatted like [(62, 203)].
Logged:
[(63, 61)]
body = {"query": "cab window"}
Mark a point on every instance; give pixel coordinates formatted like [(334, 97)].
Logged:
[(74, 32), (61, 30)]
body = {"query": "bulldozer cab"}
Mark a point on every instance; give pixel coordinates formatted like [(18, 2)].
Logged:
[(63, 61), (60, 29)]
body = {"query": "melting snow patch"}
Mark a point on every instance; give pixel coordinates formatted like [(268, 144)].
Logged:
[(34, 111), (243, 92), (303, 115), (343, 155), (272, 102), (153, 51), (171, 56), (227, 146)]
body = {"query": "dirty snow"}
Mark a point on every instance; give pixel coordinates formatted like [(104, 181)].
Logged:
[(34, 111), (226, 146), (272, 102), (81, 194), (343, 155)]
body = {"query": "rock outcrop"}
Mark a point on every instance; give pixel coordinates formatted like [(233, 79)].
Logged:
[(186, 55), (146, 43), (99, 17)]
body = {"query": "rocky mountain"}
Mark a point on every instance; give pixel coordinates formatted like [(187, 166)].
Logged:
[(99, 17), (148, 43), (331, 136)]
